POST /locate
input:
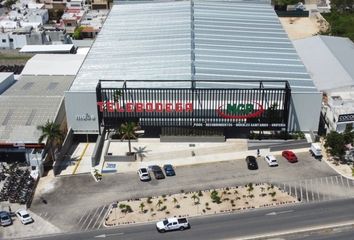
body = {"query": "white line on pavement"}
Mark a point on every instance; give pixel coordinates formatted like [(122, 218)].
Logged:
[(92, 217), (99, 216)]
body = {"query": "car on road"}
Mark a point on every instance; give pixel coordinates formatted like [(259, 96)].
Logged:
[(5, 219), (157, 171), (251, 163), (144, 174), (169, 171), (24, 216), (289, 155), (171, 224), (271, 160)]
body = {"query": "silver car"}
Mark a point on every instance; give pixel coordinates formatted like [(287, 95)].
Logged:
[(5, 219)]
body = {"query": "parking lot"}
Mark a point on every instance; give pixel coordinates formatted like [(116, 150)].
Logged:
[(78, 203)]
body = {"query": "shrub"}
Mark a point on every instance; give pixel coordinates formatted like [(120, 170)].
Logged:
[(232, 201), (121, 206), (272, 194), (178, 206), (167, 212), (251, 196), (200, 194), (206, 204), (149, 200), (204, 211), (246, 202), (182, 191), (164, 195), (238, 198), (227, 188), (151, 209), (163, 208), (273, 199)]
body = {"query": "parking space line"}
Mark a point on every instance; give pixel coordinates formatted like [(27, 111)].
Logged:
[(312, 191), (289, 189), (332, 180), (341, 178), (301, 191), (284, 187), (352, 182), (337, 180), (99, 216), (323, 195), (348, 183), (307, 194), (317, 187), (92, 217), (83, 224), (296, 190)]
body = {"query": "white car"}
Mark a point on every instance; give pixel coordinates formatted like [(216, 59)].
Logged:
[(24, 216), (271, 160), (144, 174), (171, 224)]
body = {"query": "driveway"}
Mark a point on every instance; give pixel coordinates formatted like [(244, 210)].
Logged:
[(79, 203)]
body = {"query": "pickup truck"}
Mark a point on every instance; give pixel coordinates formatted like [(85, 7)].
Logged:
[(170, 224)]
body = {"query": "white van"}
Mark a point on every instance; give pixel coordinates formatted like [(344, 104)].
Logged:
[(315, 150)]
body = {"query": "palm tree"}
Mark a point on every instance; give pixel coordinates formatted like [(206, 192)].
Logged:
[(195, 199), (51, 131), (141, 206), (175, 201), (159, 203), (128, 131)]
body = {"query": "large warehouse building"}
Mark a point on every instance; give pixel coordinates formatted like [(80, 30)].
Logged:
[(182, 66)]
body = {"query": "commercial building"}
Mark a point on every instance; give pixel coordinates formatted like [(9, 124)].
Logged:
[(330, 62), (35, 98), (181, 67)]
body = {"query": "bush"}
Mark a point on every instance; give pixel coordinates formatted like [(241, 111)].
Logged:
[(149, 200), (178, 206), (200, 194), (204, 211)]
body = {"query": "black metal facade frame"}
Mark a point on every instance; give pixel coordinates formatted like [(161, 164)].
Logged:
[(206, 101)]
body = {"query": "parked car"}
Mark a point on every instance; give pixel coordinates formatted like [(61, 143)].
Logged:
[(157, 171), (316, 151), (24, 216), (271, 160), (5, 219), (144, 174), (251, 163), (171, 224), (169, 171), (289, 155)]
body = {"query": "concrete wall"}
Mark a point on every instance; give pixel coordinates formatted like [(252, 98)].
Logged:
[(6, 80), (81, 111), (305, 111)]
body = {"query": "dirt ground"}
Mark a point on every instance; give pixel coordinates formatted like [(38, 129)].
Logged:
[(298, 28), (197, 203), (13, 57)]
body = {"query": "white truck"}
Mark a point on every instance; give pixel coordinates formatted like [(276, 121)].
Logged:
[(170, 224), (315, 150)]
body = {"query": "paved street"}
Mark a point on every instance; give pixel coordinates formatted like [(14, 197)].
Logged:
[(245, 225), (77, 203)]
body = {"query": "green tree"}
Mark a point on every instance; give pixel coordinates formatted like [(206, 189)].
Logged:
[(9, 3), (128, 132), (142, 206), (77, 32), (341, 5), (335, 143), (159, 203), (195, 199), (52, 133)]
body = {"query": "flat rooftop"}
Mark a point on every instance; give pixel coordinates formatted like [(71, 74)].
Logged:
[(185, 40), (30, 102)]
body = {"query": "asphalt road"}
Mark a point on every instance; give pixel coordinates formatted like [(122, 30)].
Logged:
[(73, 201), (250, 224)]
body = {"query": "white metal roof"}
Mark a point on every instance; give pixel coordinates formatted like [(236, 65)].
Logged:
[(53, 64), (200, 39), (30, 102), (54, 48), (4, 76), (329, 60)]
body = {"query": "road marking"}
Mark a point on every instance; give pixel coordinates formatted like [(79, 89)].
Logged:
[(312, 190), (307, 194), (104, 218), (83, 224), (318, 192), (341, 178), (289, 188), (99, 216), (82, 217), (332, 180), (301, 191), (337, 180), (108, 235), (276, 213), (92, 217)]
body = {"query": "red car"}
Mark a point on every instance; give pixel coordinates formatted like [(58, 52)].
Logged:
[(290, 156)]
